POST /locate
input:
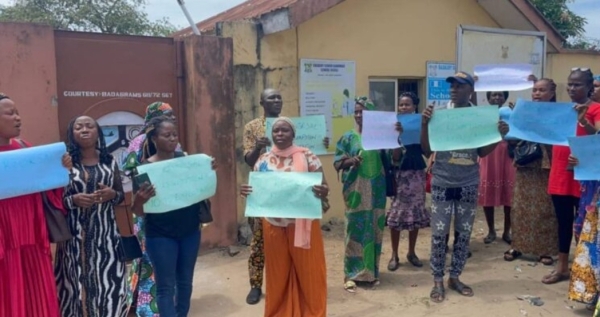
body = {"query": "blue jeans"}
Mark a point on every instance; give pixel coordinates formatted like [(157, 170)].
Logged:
[(173, 261)]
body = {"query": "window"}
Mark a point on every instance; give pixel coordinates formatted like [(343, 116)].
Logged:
[(384, 92)]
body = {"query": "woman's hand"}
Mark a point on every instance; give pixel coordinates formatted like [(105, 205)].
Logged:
[(503, 128), (145, 193), (326, 142), (245, 190), (511, 105), (532, 78), (104, 194), (581, 112), (67, 162), (84, 200), (321, 191), (354, 162), (573, 161), (214, 165), (427, 114), (399, 127)]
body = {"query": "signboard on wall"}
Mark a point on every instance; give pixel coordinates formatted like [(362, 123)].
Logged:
[(437, 89), (328, 87), (490, 46)]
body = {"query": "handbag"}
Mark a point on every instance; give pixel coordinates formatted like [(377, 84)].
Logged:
[(204, 211), (56, 221), (130, 245), (527, 152)]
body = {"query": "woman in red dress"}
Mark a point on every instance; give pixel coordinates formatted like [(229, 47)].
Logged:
[(563, 188), (27, 287)]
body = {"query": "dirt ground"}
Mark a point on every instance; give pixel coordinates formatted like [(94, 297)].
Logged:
[(221, 284)]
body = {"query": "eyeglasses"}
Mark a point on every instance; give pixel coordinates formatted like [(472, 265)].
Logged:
[(575, 69)]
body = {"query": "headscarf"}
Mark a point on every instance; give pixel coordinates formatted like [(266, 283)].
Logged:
[(156, 109), (299, 164), (365, 102)]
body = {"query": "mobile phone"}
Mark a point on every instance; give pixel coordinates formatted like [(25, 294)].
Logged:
[(141, 179)]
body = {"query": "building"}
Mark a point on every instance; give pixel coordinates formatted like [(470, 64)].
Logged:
[(390, 41)]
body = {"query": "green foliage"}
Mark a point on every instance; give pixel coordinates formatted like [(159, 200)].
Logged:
[(105, 16)]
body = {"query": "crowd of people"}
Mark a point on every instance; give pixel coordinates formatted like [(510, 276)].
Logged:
[(544, 208)]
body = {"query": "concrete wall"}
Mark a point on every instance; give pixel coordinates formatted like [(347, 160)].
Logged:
[(28, 76), (558, 67)]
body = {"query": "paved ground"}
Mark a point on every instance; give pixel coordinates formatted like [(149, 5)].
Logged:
[(221, 285)]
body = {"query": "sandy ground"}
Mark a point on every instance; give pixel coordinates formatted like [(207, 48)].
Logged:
[(221, 284)]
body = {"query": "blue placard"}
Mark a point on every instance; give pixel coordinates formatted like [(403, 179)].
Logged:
[(411, 125), (543, 122), (587, 150)]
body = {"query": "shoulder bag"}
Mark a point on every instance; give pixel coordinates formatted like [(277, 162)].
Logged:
[(527, 152)]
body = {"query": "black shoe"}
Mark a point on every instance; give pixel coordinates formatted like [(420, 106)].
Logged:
[(254, 296)]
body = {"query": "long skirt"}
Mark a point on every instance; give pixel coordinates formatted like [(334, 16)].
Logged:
[(408, 210)]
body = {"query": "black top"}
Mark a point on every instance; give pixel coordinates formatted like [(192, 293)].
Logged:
[(174, 224), (413, 158)]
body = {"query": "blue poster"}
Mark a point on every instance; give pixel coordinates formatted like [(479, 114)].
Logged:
[(32, 170), (587, 151), (438, 90), (411, 125), (543, 122)]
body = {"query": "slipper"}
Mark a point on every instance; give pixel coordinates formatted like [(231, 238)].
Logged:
[(491, 237), (438, 294), (511, 255), (350, 287), (546, 260), (507, 238), (461, 288), (394, 264), (414, 260), (555, 277)]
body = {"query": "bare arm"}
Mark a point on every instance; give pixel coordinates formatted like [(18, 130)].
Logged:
[(425, 146), (252, 156)]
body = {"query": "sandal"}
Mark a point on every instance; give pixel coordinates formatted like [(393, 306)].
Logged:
[(546, 260), (555, 277), (491, 237), (414, 260), (438, 293), (460, 287), (350, 287), (590, 307), (511, 255), (507, 238), (394, 264)]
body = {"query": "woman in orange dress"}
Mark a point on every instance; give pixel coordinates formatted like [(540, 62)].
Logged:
[(294, 253), (27, 287)]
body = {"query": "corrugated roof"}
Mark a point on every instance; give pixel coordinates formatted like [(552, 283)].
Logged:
[(244, 11)]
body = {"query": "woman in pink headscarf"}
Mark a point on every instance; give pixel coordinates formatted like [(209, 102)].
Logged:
[(294, 253)]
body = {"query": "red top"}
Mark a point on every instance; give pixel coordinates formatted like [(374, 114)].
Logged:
[(562, 181)]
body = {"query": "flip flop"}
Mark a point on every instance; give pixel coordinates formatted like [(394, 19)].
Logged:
[(414, 260), (555, 277), (491, 237), (460, 288), (507, 238), (438, 294), (511, 255), (350, 287), (394, 264), (546, 260)]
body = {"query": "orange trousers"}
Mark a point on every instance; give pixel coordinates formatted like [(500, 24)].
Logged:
[(296, 278)]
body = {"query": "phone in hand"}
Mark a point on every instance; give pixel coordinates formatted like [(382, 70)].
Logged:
[(141, 179)]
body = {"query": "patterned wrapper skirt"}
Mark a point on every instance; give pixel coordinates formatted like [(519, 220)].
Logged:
[(408, 210)]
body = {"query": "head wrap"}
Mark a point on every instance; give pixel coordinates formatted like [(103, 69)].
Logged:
[(288, 121), (157, 109), (365, 102)]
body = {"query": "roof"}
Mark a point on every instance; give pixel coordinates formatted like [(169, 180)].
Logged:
[(244, 11)]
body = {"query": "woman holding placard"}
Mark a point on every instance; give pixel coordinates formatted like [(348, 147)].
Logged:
[(27, 287), (173, 237), (294, 252), (364, 193), (497, 180), (90, 273), (584, 281), (563, 188), (533, 219), (408, 210)]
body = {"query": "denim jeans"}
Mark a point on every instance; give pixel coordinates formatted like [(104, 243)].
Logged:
[(173, 261)]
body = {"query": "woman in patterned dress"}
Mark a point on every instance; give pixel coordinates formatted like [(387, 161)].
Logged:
[(533, 220), (408, 210), (141, 290), (90, 272), (296, 273), (363, 177), (584, 281)]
